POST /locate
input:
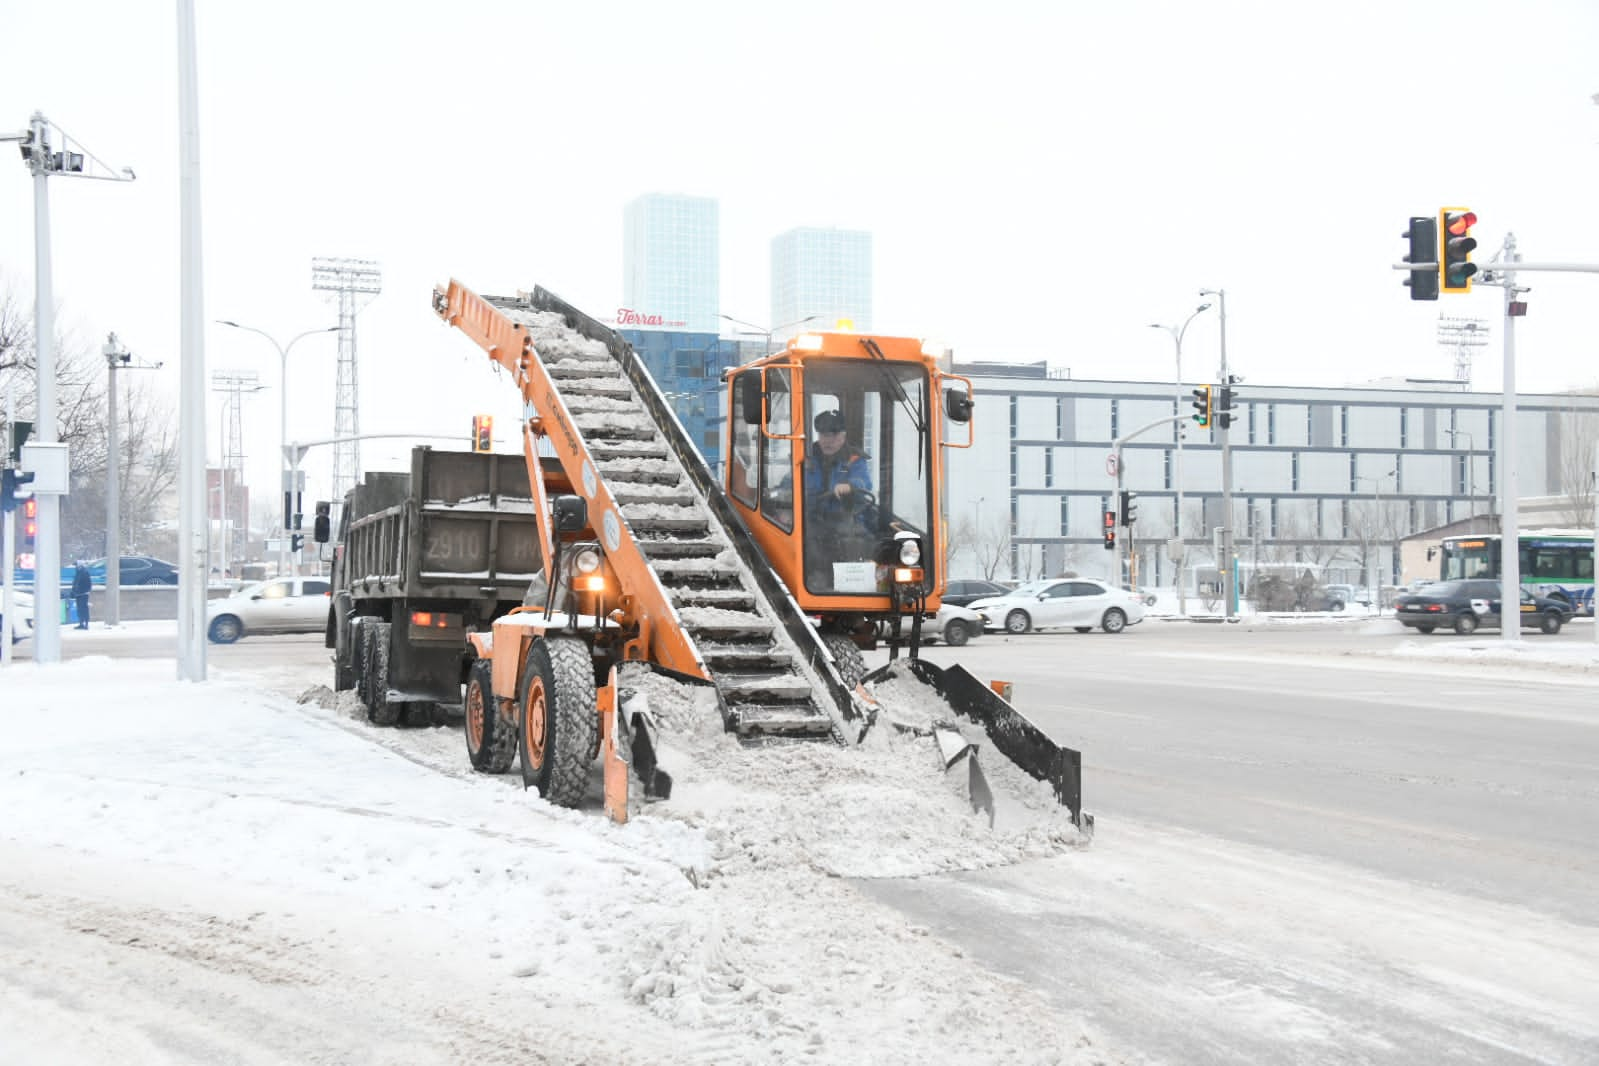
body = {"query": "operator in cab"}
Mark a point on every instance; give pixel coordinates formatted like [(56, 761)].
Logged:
[(833, 470), (838, 503)]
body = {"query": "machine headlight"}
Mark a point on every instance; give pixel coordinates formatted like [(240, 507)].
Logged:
[(910, 552), (587, 561)]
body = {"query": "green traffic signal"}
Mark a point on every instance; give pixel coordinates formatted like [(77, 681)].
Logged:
[(1202, 406)]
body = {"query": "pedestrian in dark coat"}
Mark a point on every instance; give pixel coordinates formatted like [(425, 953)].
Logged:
[(80, 592)]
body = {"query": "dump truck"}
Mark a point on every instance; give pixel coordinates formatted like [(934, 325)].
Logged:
[(421, 559), (763, 586)]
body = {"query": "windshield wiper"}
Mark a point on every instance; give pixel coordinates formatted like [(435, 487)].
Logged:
[(870, 344)]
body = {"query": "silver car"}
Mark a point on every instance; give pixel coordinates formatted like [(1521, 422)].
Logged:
[(282, 605), (954, 625)]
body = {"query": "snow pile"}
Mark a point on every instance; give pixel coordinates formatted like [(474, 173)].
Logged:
[(884, 808)]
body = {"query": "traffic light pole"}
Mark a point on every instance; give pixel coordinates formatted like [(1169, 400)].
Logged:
[(1121, 480)]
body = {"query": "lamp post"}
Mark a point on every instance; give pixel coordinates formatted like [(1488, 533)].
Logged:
[(1224, 381), (1374, 590), (1471, 473), (1177, 474), (767, 333), (291, 462)]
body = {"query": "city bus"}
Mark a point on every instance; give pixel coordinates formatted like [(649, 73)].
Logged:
[(1554, 562)]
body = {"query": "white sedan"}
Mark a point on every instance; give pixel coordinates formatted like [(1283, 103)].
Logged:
[(1081, 603), (283, 605), (22, 624)]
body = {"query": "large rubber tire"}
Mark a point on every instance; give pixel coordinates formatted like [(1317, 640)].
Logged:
[(225, 629), (1018, 622), (1426, 629), (955, 634), (344, 674), (1466, 624), (851, 666), (560, 723), (490, 739), (1114, 620), (360, 653), (1550, 623), (379, 711)]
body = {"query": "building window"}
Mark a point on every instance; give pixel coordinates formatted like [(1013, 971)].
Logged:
[(1354, 469), (1013, 510), (1343, 426), (1065, 516), (1293, 473), (1271, 520), (1115, 418), (1013, 426), (1271, 423), (1060, 418), (1167, 474), (1343, 519), (1252, 422), (1013, 466), (1049, 468), (1404, 427)]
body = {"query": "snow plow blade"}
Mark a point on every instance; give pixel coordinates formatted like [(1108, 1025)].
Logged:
[(1018, 739)]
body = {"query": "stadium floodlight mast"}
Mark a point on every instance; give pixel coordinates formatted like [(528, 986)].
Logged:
[(48, 152)]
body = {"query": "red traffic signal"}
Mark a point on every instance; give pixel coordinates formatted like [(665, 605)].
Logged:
[(482, 433), (1456, 248), (1110, 530)]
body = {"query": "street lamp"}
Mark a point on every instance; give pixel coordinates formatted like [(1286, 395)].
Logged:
[(767, 333), (1177, 474), (1471, 473), (291, 462), (1375, 588)]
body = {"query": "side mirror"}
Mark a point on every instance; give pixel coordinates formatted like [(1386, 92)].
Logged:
[(1432, 553), (957, 404), (569, 513)]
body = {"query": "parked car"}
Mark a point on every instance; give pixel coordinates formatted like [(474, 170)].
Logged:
[(22, 624), (133, 570), (963, 591), (1343, 594), (1466, 605), (954, 625), (1147, 597), (283, 605), (1079, 602)]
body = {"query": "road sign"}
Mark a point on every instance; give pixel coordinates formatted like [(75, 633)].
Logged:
[(1110, 464)]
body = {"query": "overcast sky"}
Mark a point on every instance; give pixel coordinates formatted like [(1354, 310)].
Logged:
[(1041, 181)]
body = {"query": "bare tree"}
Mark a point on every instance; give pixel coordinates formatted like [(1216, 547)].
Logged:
[(1579, 433), (991, 543)]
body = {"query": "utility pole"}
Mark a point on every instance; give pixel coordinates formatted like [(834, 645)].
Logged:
[(1226, 561)]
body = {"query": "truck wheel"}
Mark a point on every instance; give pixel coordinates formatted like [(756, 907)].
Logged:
[(560, 728), (379, 711), (490, 739), (851, 667), (345, 672)]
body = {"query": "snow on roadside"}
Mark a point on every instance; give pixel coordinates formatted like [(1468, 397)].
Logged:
[(721, 916)]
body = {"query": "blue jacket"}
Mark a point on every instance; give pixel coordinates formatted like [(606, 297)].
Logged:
[(823, 474)]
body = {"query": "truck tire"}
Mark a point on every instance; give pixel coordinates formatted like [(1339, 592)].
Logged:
[(847, 654), (379, 711), (344, 669), (490, 739), (559, 734)]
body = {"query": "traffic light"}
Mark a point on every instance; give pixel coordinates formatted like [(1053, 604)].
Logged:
[(1129, 503), (8, 490), (1224, 406), (30, 523), (322, 528), (1458, 244), (1202, 406), (1110, 530), (482, 433), (296, 542), (1423, 237)]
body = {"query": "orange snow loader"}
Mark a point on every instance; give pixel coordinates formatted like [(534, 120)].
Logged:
[(763, 587)]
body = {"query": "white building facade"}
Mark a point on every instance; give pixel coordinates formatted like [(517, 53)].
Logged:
[(1328, 480)]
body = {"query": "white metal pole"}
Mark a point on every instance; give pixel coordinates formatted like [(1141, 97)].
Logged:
[(1593, 605), (8, 603), (113, 491), (47, 539), (192, 578), (1509, 523)]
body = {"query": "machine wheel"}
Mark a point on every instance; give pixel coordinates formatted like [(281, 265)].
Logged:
[(490, 739), (1466, 625), (955, 634), (1115, 621), (560, 728), (225, 629), (1018, 622), (421, 714), (851, 667), (344, 672), (1426, 629), (1084, 629), (379, 711), (1550, 623)]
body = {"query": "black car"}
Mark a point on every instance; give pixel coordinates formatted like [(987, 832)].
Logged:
[(1465, 605), (963, 592), (135, 570)]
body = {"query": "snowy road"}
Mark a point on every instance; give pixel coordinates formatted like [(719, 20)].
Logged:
[(218, 873)]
